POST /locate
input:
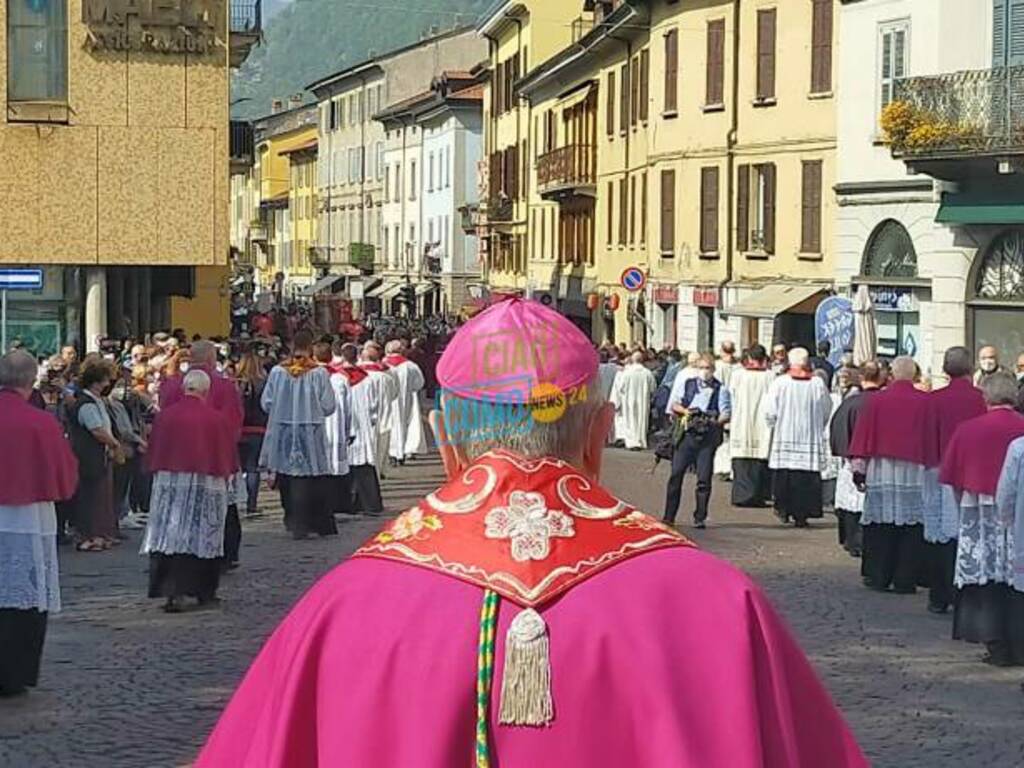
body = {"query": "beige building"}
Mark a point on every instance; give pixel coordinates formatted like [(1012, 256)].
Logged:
[(115, 140), (351, 157)]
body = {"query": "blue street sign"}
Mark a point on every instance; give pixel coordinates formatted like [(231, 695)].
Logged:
[(633, 279), (21, 279)]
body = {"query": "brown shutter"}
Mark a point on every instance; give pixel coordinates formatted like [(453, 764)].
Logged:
[(634, 92), (768, 169), (498, 93), (715, 87), (643, 207), (810, 240), (821, 47), (611, 211), (624, 97), (632, 209), (623, 210), (645, 84), (709, 210), (672, 70), (743, 208), (766, 53), (668, 212), (610, 112)]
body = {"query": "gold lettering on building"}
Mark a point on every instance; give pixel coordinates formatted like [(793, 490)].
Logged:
[(159, 26)]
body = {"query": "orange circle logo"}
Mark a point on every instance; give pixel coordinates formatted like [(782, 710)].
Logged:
[(547, 402)]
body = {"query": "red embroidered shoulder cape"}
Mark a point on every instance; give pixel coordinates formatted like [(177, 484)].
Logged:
[(528, 529)]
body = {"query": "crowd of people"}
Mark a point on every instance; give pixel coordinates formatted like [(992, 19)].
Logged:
[(925, 480), (175, 437)]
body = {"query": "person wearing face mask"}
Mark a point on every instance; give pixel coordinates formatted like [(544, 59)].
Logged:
[(703, 409), (797, 408), (97, 448), (988, 364)]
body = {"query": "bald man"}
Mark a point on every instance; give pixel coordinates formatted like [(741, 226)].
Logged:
[(988, 364)]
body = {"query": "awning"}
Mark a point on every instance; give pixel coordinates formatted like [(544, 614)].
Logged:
[(320, 286), (422, 289), (392, 290), (981, 207), (378, 291), (774, 300), (576, 97)]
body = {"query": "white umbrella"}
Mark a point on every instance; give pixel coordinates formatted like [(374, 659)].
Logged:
[(865, 332)]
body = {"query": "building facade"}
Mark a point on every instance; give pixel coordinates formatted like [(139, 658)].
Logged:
[(353, 164), (116, 145)]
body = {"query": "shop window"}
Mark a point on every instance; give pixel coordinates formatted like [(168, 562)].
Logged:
[(37, 60), (890, 252), (1001, 275)]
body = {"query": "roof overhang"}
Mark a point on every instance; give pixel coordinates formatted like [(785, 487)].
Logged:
[(500, 13), (773, 300)]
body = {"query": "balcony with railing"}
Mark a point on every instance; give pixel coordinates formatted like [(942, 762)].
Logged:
[(500, 208), (567, 171), (361, 256), (581, 26), (246, 26), (957, 116)]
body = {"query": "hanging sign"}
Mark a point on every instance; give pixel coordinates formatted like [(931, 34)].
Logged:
[(833, 322)]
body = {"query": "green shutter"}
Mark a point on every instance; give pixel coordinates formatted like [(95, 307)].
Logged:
[(1015, 34), (998, 33)]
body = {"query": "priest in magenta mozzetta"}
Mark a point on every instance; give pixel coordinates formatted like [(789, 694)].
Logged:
[(521, 616)]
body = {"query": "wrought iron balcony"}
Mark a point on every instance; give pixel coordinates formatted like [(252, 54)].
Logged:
[(956, 115), (500, 209), (246, 26), (567, 170)]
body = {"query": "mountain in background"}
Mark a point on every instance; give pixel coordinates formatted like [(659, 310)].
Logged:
[(309, 39)]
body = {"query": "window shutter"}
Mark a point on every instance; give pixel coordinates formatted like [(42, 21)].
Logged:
[(709, 210), (645, 84), (624, 97), (610, 112), (768, 169), (671, 70), (623, 210), (611, 210), (743, 208), (634, 89), (810, 240), (821, 47), (632, 210), (643, 207), (1015, 34), (998, 33), (668, 212), (766, 53), (715, 86)]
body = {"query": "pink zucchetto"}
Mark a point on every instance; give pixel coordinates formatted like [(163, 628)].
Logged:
[(513, 352)]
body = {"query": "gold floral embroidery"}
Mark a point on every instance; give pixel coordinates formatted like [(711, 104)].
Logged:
[(640, 521), (410, 525)]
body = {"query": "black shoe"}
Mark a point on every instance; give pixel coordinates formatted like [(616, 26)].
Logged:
[(854, 552), (938, 610), (904, 590), (700, 524), (801, 524), (10, 693)]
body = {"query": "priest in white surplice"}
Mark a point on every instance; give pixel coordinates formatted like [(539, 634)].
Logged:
[(631, 395), (407, 437), (339, 436), (387, 385), (365, 401), (750, 436), (725, 366), (606, 373), (797, 408)]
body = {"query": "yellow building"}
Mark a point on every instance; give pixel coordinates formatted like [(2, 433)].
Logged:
[(302, 209), (114, 146), (520, 34), (742, 145), (588, 217)]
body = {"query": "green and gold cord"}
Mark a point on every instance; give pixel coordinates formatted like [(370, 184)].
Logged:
[(484, 673)]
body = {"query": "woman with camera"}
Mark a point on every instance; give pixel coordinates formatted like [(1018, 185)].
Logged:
[(703, 409)]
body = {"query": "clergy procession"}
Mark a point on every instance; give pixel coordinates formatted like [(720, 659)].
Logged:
[(522, 606)]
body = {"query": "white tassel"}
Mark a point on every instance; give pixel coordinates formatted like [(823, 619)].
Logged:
[(526, 678)]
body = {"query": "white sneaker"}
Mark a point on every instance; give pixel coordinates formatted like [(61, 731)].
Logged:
[(131, 522)]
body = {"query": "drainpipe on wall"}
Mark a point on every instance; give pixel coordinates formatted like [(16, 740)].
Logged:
[(730, 156)]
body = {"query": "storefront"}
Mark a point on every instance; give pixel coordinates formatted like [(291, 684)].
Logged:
[(706, 302), (665, 319), (996, 296), (889, 270), (775, 314)]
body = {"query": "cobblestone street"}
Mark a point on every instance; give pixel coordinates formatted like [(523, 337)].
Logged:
[(125, 685)]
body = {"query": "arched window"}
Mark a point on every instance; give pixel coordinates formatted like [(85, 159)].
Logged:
[(890, 252), (1001, 273)]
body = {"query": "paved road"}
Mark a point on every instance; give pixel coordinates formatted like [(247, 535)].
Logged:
[(126, 686)]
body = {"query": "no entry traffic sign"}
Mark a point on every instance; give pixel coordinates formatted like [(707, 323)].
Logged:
[(633, 279)]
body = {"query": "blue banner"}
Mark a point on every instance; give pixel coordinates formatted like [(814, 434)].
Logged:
[(833, 322)]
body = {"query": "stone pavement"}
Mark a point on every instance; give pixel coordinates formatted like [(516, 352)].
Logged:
[(127, 686)]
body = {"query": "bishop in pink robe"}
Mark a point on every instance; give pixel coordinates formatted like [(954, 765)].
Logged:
[(521, 616)]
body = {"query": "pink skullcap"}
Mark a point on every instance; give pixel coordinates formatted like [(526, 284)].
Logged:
[(511, 348)]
